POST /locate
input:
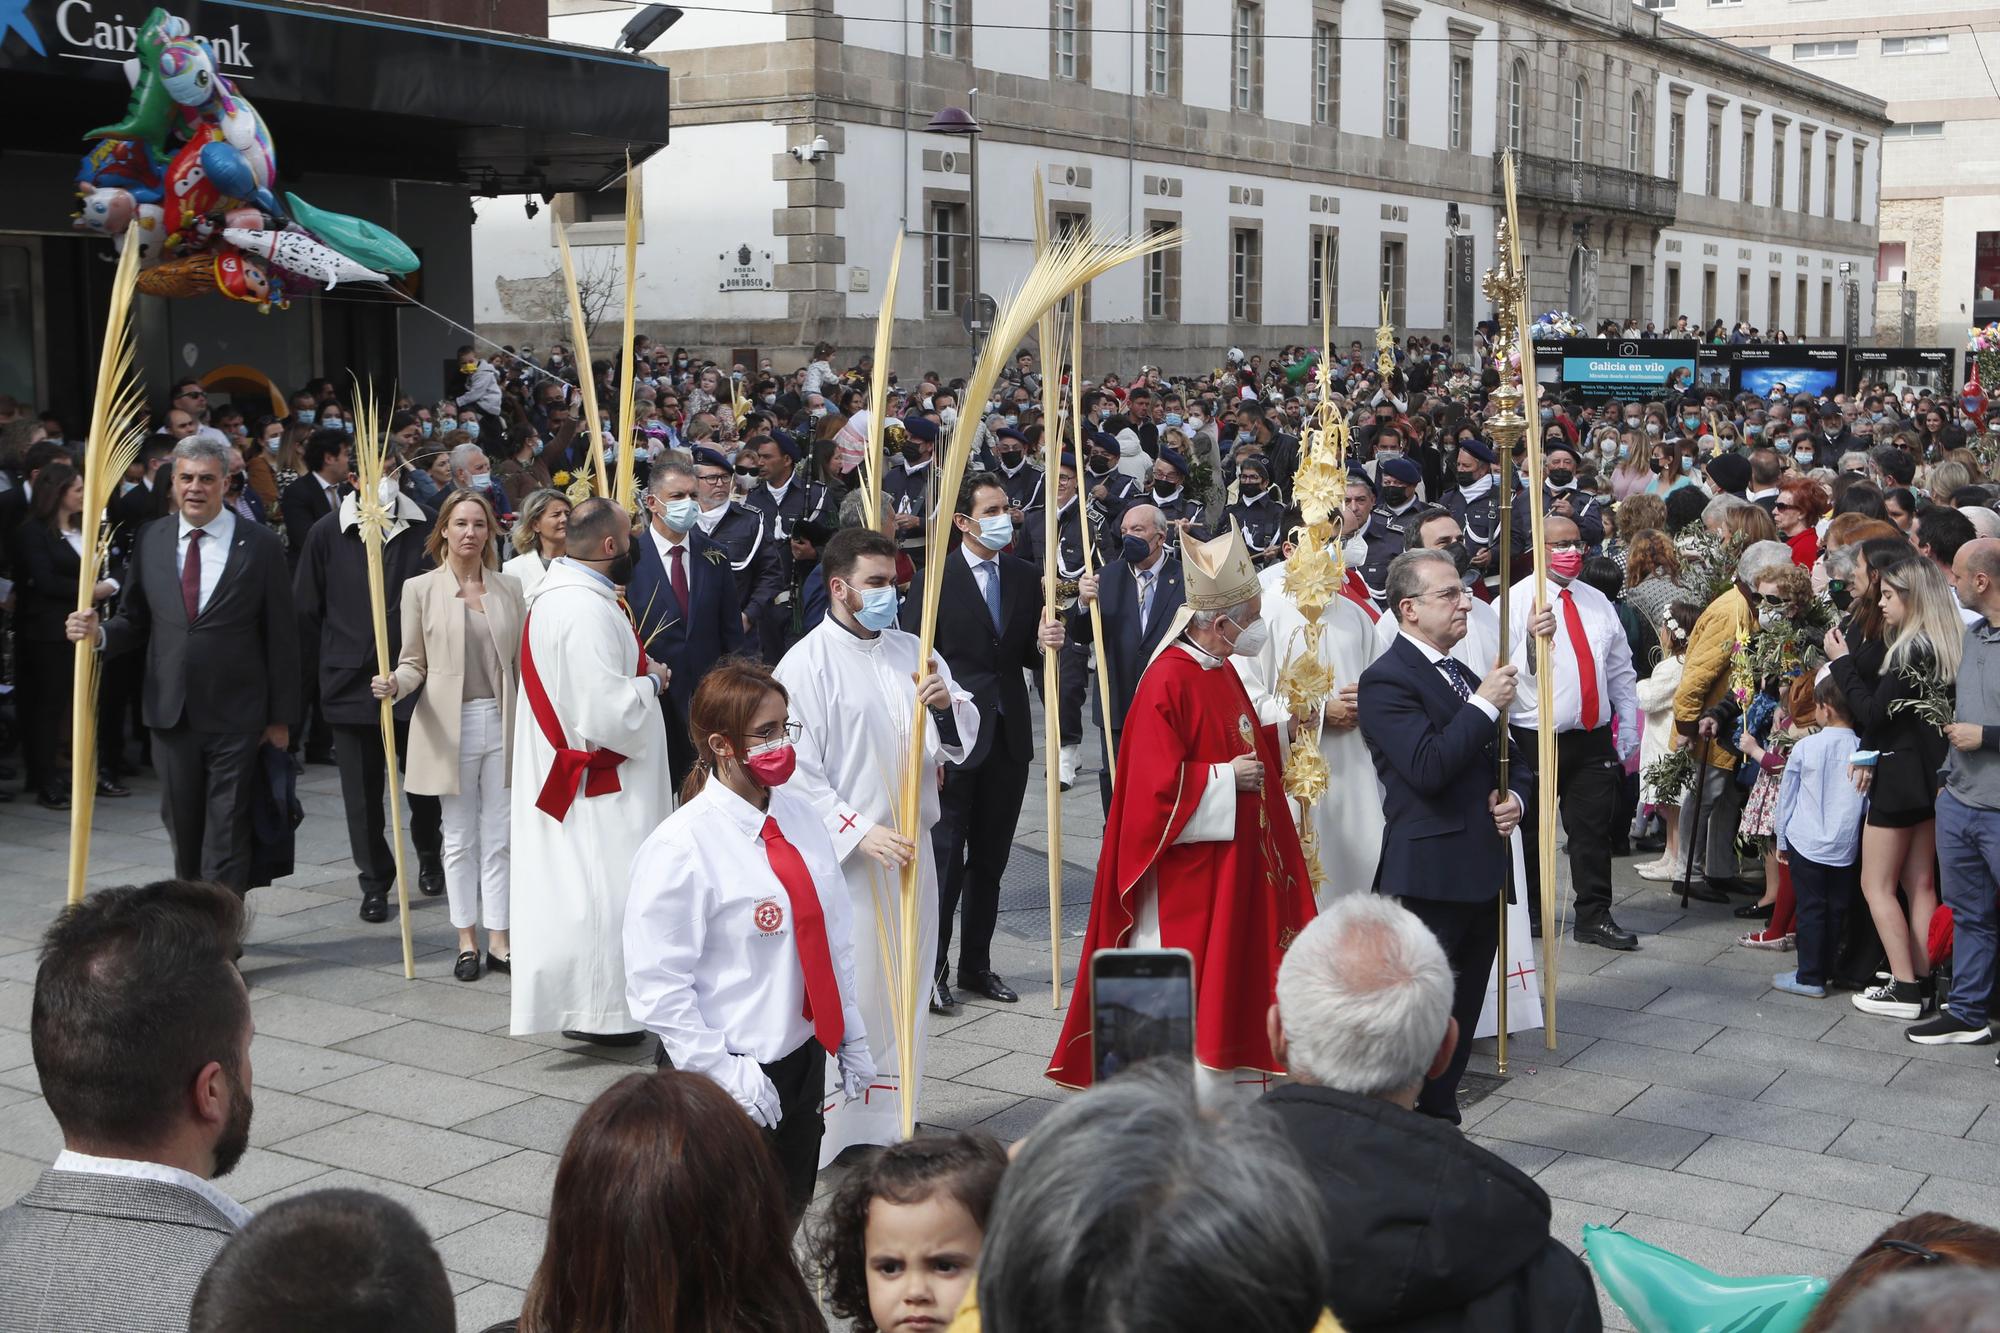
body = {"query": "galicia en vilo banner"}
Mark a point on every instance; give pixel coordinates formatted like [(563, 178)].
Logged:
[(1627, 367)]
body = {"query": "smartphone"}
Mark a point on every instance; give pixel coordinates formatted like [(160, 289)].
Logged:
[(1141, 1008)]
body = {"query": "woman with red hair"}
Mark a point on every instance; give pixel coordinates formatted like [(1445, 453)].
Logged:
[(1800, 504)]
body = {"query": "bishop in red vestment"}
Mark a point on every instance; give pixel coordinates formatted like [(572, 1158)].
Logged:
[(1200, 851)]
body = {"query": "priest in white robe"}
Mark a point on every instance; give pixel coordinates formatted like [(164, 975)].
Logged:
[(852, 682), (590, 783)]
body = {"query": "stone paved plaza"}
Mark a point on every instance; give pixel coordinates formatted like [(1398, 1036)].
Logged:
[(1687, 1102)]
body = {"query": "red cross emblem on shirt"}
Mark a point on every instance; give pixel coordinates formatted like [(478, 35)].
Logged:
[(847, 822), (768, 915)]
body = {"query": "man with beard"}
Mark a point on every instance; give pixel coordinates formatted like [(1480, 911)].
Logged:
[(141, 1038)]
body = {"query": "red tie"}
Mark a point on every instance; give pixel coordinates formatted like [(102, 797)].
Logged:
[(191, 575), (809, 930), (677, 574), (1586, 665)]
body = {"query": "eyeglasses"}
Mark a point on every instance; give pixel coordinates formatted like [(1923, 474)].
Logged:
[(1771, 601), (712, 478), (1786, 504), (1460, 593), (790, 730), (1565, 546), (746, 472)]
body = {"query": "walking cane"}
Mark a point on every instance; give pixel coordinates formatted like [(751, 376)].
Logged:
[(1694, 827)]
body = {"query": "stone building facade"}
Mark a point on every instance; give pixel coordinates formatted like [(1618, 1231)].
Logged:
[(1280, 135)]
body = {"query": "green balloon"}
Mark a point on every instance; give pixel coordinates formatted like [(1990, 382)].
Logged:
[(149, 115), (357, 238), (1664, 1293)]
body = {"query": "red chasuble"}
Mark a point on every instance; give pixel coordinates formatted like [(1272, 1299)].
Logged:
[(1234, 905)]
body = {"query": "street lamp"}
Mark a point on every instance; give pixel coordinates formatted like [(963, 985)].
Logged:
[(958, 123)]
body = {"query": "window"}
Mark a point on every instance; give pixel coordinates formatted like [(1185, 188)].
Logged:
[(1163, 275), (1930, 44), (1826, 308), (1823, 50), (947, 277), (1063, 31), (1579, 98), (1395, 274), (1246, 58), (1724, 4), (1657, 5), (1889, 261), (1774, 318), (1396, 90), (1635, 294), (943, 24), (1743, 295), (1709, 312), (1246, 275), (1461, 89), (1635, 134), (1517, 92), (1916, 129), (1781, 150), (1798, 309), (1322, 269), (1713, 177), (1826, 175), (1985, 265), (1326, 74), (598, 205), (1673, 310), (1757, 50), (1676, 146), (1746, 177), (1854, 182), (1159, 48)]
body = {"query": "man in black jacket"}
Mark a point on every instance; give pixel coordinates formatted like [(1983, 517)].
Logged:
[(1425, 1229), (335, 614), (313, 496), (991, 630)]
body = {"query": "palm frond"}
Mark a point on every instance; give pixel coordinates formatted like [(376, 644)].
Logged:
[(586, 379), (878, 394), (628, 435)]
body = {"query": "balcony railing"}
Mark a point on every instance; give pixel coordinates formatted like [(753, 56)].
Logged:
[(1548, 180)]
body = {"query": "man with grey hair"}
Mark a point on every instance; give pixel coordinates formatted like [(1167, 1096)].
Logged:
[(1128, 1208), (209, 600), (1424, 1227), (1138, 596), (1985, 521), (473, 470)]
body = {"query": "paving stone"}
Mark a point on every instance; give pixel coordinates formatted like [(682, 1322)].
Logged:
[(263, 1172), (15, 1049), (1845, 1063), (1730, 1254), (440, 1214), (1572, 1087), (503, 1248), (1011, 1030), (1668, 1194), (1888, 1106), (268, 969), (1882, 1034), (1987, 1128), (1954, 1159), (1698, 1073), (17, 1001), (478, 1007), (1607, 992), (1971, 1201), (1970, 1081), (521, 1183), (541, 1123), (1568, 1218), (312, 1022), (1527, 1157), (1634, 1028), (960, 1105), (403, 1151), (1615, 1137), (1018, 1120), (406, 1093), (1529, 1049), (1683, 976), (17, 1176), (488, 1304), (948, 1057), (1772, 1011), (1018, 1072), (579, 1078), (1802, 1221), (284, 1115), (290, 1066), (1757, 1121), (444, 1049), (1791, 1171)]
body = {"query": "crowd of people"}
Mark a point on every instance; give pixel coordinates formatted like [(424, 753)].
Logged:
[(654, 763)]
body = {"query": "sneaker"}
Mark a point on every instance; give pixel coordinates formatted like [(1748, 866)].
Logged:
[(1789, 982), (1947, 1029), (1759, 939), (1892, 999), (1659, 872)]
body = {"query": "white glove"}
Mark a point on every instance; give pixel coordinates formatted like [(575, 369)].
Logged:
[(754, 1092), (857, 1067)]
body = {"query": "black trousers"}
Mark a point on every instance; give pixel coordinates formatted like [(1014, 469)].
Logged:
[(1469, 933), (800, 1079), (1822, 895), (1107, 754), (680, 746), (1588, 776), (978, 811), (207, 780), (43, 673), (364, 783), (1072, 683)]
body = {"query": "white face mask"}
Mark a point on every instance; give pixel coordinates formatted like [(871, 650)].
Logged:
[(1251, 639), (386, 491), (1356, 551)]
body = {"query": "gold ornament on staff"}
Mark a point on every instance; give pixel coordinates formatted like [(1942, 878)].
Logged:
[(878, 394), (1083, 530), (628, 430), (1385, 345), (586, 379), (1049, 330), (370, 458), (117, 427), (1070, 263)]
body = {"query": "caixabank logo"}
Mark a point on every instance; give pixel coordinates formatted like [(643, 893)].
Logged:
[(80, 32), (14, 22)]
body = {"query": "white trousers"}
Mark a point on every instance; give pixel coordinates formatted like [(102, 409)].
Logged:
[(476, 820)]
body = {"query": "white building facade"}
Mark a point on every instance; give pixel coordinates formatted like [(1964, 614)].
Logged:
[(1932, 63), (1278, 134)]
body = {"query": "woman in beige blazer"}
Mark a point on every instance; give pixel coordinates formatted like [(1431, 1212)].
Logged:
[(462, 648)]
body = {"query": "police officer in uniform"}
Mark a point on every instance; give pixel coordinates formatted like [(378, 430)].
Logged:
[(1396, 509), (1019, 476), (1073, 658), (785, 500), (1560, 498), (1259, 511), (909, 489), (1107, 491), (1474, 500), (742, 534), (1170, 494)]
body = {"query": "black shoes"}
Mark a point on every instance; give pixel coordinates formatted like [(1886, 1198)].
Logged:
[(106, 787), (52, 800), (943, 1001), (375, 906), (467, 966), (495, 963), (988, 984), (1755, 911), (605, 1038), (430, 879), (1607, 934), (1701, 890)]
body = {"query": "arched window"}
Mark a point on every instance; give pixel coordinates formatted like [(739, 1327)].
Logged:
[(1579, 97), (1635, 133), (1517, 94)]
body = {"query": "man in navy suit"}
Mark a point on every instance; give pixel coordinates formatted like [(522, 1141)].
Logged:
[(1139, 593), (1432, 731), (991, 630), (683, 599)]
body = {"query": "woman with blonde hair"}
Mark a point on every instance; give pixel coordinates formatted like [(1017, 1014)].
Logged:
[(1652, 572), (462, 646), (1745, 524), (1898, 844), (540, 532)]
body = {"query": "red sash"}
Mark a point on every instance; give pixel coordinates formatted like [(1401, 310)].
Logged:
[(1355, 591), (598, 769)]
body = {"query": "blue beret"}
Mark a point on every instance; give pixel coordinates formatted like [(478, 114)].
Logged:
[(1173, 460), (1359, 477), (921, 428), (1105, 441), (712, 458), (1009, 433), (1479, 449), (1402, 469), (1254, 460), (1069, 460), (1558, 445), (788, 444)]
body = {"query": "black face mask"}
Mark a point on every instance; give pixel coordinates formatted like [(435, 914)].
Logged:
[(1655, 466), (619, 571), (1135, 550), (1009, 459), (1460, 553), (1560, 477), (913, 453), (1840, 595), (1468, 478), (1395, 497)]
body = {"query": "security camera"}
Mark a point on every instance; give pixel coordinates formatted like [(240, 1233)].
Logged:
[(810, 152)]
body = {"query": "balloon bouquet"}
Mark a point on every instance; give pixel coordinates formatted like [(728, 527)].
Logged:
[(187, 176)]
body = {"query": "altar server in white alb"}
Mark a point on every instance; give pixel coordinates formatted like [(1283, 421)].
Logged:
[(738, 935), (852, 682), (590, 782)]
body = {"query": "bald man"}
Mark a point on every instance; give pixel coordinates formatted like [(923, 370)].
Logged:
[(1138, 594)]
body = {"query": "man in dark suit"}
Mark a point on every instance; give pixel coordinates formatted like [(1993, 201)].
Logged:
[(1140, 592), (785, 500), (316, 494), (683, 599), (141, 1038), (740, 532), (1432, 731), (991, 631), (208, 598)]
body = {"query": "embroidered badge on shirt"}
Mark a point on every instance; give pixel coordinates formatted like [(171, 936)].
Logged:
[(769, 916)]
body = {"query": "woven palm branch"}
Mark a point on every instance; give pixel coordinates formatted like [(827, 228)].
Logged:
[(628, 434), (878, 394), (586, 379)]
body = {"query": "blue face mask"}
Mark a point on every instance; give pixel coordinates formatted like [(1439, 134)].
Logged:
[(471, 429), (1135, 550), (1753, 430), (1798, 418), (307, 416), (1687, 464), (995, 531), (681, 514), (878, 608), (1624, 451), (426, 427), (482, 481)]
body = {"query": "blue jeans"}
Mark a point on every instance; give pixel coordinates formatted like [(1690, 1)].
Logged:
[(1823, 894), (1968, 849)]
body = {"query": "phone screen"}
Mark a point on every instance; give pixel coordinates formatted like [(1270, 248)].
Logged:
[(1142, 1008)]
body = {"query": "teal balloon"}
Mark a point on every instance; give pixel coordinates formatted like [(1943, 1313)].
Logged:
[(357, 238), (1663, 1293)]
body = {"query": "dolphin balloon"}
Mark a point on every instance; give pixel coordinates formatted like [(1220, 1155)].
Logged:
[(299, 253), (1664, 1293)]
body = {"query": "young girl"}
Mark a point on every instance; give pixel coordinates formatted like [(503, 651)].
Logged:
[(1656, 697), (1818, 834), (896, 1247)]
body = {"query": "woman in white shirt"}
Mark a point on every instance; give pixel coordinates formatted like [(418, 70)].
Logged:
[(539, 536), (738, 945)]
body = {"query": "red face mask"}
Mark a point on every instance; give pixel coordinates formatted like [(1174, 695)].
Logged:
[(772, 764), (1565, 564)]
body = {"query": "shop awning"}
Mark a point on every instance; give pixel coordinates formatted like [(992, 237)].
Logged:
[(352, 93)]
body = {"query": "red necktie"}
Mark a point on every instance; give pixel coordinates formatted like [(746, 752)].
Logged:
[(809, 931), (677, 574), (191, 575), (1586, 665)]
